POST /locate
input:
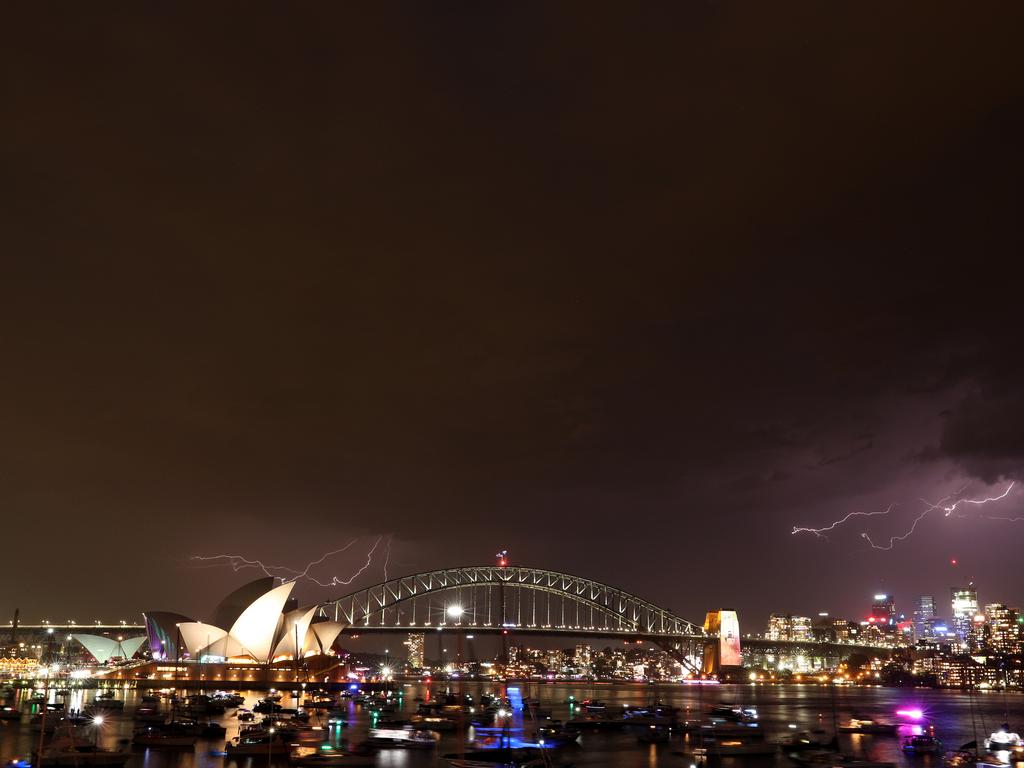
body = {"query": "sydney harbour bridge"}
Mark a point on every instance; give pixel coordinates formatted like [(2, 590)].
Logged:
[(534, 601)]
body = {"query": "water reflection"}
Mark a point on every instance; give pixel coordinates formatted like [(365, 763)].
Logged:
[(804, 707)]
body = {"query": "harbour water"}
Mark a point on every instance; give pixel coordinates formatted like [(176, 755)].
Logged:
[(779, 707)]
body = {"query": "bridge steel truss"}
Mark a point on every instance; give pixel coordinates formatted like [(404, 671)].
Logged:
[(512, 597)]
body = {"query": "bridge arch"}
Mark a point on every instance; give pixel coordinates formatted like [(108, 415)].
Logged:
[(514, 597)]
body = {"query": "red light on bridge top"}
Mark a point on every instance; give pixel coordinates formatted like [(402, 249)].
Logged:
[(502, 558)]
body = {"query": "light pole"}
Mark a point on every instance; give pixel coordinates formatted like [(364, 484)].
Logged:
[(96, 723), (503, 720), (455, 614), (270, 745)]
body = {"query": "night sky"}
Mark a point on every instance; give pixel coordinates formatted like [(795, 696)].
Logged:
[(630, 294)]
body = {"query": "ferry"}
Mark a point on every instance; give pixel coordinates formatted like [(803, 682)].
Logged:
[(75, 752), (729, 742)]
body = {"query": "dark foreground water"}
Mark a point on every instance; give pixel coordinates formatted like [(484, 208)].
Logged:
[(805, 706)]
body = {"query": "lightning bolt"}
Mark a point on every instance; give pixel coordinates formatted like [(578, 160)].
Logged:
[(951, 508), (238, 562), (947, 509), (387, 558), (894, 539), (820, 532)]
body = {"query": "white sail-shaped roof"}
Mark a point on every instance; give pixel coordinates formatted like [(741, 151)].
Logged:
[(102, 648), (197, 636), (256, 628), (326, 632), (296, 624), (131, 646)]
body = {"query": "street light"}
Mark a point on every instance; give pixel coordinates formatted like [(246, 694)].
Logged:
[(455, 612)]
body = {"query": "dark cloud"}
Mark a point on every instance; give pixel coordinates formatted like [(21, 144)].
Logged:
[(600, 288), (985, 433)]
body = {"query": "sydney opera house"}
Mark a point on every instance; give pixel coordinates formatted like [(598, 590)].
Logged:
[(255, 633)]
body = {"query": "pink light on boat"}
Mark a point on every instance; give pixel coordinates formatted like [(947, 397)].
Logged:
[(913, 714)]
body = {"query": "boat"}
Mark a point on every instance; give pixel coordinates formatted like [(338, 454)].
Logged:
[(654, 734), (405, 738), (1003, 739), (803, 740), (969, 758), (653, 715), (227, 699), (212, 730), (869, 726), (922, 744), (149, 715), (107, 704), (493, 758), (732, 743), (7, 712), (593, 706), (434, 723), (556, 735), (106, 695), (733, 713), (45, 725), (173, 735), (831, 759), (320, 702), (267, 706), (327, 756), (598, 723), (257, 744), (201, 705), (75, 752)]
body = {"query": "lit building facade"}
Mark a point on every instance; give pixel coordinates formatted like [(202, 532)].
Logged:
[(964, 602), (414, 643), (924, 617), (1004, 628), (787, 627)]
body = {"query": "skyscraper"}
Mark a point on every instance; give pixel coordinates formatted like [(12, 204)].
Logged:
[(965, 608), (1004, 628), (415, 646), (924, 617), (883, 611)]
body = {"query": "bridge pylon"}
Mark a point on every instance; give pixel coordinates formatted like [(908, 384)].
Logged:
[(722, 652)]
